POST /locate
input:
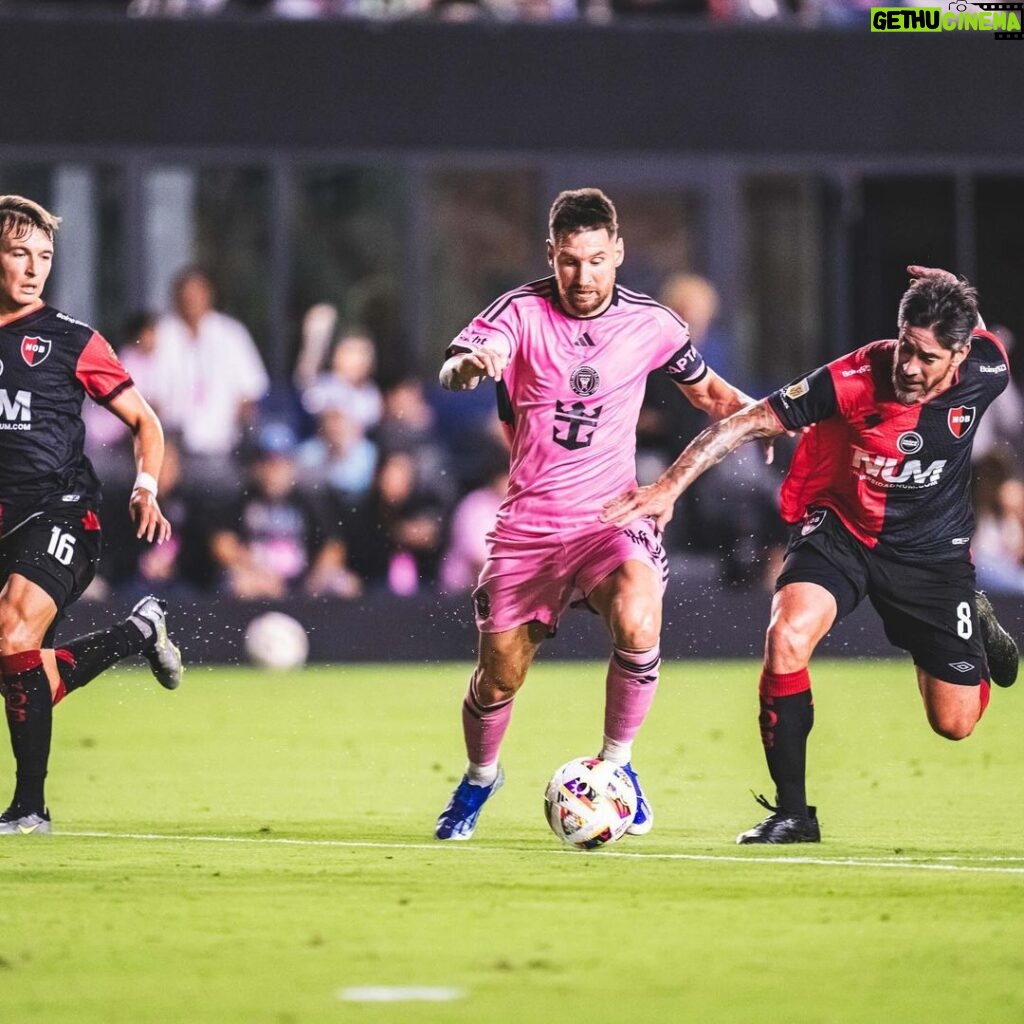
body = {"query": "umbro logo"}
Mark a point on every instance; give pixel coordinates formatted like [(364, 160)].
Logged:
[(961, 666), (584, 341)]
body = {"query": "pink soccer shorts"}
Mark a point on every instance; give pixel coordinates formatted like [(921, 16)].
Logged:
[(538, 577)]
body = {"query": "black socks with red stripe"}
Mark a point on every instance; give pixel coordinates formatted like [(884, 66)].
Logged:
[(787, 717), (29, 707), (81, 660)]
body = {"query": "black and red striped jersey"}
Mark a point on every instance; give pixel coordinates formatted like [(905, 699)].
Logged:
[(898, 476), (49, 362)]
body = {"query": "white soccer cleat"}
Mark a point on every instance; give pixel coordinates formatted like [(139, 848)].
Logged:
[(14, 822), (150, 614)]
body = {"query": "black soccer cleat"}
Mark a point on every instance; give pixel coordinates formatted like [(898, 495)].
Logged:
[(1000, 649), (782, 827)]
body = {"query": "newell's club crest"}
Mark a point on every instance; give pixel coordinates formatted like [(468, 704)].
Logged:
[(812, 521), (584, 381), (961, 419), (35, 350)]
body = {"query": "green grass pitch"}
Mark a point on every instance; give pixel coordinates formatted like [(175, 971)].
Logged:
[(256, 848)]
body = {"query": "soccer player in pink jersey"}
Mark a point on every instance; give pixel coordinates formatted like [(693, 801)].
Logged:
[(571, 355)]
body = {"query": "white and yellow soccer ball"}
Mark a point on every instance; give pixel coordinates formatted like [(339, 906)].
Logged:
[(275, 640), (590, 802)]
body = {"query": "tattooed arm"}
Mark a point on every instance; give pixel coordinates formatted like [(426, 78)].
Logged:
[(704, 451)]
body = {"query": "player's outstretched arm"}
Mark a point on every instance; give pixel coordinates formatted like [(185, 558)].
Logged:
[(657, 500), (715, 396), (464, 370), (148, 441), (719, 399)]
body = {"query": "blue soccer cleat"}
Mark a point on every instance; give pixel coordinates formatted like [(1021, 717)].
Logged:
[(458, 820), (643, 820)]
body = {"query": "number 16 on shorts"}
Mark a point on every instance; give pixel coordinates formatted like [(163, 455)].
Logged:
[(61, 546)]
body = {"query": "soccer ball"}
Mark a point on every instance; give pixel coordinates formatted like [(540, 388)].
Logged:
[(590, 802), (276, 640)]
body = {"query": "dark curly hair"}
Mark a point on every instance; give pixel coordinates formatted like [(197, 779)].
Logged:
[(949, 308)]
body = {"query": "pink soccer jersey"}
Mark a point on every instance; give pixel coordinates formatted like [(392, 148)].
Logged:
[(571, 396)]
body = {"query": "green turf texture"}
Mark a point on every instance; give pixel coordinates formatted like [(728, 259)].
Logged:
[(918, 914)]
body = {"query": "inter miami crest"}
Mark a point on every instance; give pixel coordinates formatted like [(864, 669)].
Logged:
[(584, 381), (961, 419), (35, 350)]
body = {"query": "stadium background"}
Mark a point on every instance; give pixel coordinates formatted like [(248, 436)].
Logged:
[(798, 168), (256, 847)]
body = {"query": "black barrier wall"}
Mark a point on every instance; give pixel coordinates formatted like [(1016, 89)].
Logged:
[(645, 87), (700, 622)]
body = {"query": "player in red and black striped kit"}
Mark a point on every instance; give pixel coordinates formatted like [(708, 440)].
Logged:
[(878, 496), (49, 529)]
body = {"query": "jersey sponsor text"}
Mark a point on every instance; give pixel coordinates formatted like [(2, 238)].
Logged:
[(16, 412), (889, 471)]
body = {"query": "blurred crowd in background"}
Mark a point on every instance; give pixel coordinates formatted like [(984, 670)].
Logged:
[(324, 459), (595, 11), (340, 483)]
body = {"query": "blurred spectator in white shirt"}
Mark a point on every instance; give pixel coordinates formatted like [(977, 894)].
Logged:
[(208, 378)]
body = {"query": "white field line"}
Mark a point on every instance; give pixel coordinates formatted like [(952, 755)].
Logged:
[(982, 865)]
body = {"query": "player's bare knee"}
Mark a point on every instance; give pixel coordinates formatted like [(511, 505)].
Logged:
[(496, 688), (787, 648), (635, 625), (15, 633), (953, 726), (499, 678)]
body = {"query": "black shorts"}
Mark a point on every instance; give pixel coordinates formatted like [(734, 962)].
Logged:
[(928, 610), (58, 552)]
